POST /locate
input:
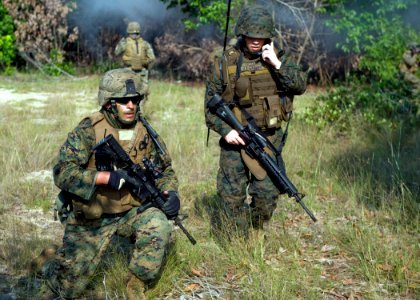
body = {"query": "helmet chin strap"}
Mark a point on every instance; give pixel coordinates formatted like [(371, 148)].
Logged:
[(114, 109)]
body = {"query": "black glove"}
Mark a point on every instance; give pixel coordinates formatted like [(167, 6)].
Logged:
[(118, 178), (172, 205)]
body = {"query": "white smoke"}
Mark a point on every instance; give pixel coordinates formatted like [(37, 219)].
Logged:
[(152, 15)]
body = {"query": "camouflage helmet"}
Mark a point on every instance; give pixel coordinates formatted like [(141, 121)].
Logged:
[(119, 83), (413, 46), (256, 22), (133, 27)]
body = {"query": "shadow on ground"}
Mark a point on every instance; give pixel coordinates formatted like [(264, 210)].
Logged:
[(384, 169)]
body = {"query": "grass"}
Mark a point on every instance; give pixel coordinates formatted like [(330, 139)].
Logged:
[(363, 186)]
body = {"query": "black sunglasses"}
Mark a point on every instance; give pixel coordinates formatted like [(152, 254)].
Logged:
[(125, 100)]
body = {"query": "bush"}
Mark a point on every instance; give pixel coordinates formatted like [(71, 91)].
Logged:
[(375, 93), (57, 65), (382, 103), (7, 39)]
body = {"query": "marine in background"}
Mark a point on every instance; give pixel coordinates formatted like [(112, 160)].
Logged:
[(137, 53), (409, 67)]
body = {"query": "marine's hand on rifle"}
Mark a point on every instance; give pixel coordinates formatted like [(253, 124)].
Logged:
[(234, 138), (172, 204), (118, 178)]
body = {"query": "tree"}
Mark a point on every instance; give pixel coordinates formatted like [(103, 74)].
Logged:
[(41, 28), (204, 12), (373, 30), (7, 38)]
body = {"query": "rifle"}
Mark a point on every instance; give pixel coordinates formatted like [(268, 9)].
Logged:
[(255, 144), (144, 177)]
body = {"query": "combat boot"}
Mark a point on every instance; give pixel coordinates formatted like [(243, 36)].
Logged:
[(135, 288), (46, 254)]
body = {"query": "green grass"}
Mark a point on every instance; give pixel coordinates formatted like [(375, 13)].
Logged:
[(362, 185)]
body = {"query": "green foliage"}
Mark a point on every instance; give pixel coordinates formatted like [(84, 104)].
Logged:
[(7, 39), (374, 30), (204, 12), (375, 33), (362, 22), (381, 103), (381, 58), (57, 64)]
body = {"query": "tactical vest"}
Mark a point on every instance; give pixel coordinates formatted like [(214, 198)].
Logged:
[(251, 86), (137, 144), (135, 54), (409, 63)]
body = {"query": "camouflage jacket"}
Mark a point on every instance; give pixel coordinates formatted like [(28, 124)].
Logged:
[(409, 62), (71, 173), (290, 77)]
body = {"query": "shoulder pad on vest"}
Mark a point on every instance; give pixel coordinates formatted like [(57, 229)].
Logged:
[(85, 123), (95, 117), (231, 52), (231, 56)]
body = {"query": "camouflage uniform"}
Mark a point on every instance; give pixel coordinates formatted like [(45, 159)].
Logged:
[(89, 230), (137, 53), (258, 90), (409, 68)]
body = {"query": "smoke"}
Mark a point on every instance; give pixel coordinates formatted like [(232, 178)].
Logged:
[(101, 24), (411, 16), (94, 15)]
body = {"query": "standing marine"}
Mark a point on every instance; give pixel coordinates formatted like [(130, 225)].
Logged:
[(96, 198), (136, 52), (259, 84)]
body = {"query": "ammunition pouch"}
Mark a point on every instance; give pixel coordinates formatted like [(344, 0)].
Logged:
[(242, 91), (272, 111), (105, 201), (63, 207), (137, 63)]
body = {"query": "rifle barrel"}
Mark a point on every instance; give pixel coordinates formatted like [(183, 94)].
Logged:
[(178, 222), (310, 214)]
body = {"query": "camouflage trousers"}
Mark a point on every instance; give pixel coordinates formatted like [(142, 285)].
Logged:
[(84, 247), (235, 182)]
